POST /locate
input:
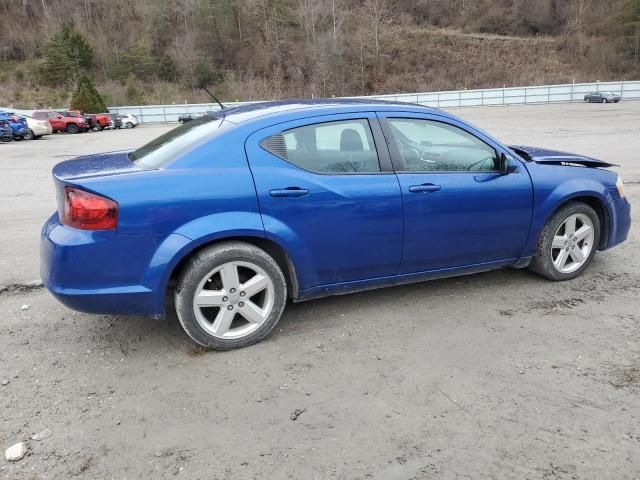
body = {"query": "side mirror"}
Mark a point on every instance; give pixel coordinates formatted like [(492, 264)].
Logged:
[(503, 161)]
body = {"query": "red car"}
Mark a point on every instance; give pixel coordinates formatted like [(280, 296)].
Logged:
[(96, 121), (61, 122)]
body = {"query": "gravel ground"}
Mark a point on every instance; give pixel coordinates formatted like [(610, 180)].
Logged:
[(495, 375)]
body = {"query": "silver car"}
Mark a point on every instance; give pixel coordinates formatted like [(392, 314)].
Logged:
[(602, 97)]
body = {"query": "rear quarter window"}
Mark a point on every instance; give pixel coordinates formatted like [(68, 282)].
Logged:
[(166, 148)]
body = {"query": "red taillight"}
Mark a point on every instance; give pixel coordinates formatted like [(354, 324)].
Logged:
[(88, 211)]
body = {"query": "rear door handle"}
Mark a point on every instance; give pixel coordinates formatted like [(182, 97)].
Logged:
[(293, 192), (425, 187)]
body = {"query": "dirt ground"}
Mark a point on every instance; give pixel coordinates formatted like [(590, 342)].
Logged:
[(494, 375)]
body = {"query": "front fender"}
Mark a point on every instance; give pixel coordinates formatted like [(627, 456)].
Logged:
[(548, 200)]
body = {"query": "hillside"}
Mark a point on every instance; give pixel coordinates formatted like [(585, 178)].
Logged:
[(152, 51)]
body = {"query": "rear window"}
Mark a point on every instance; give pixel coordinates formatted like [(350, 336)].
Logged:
[(166, 148)]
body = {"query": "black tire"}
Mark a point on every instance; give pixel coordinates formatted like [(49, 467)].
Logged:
[(97, 127), (72, 128), (197, 269), (6, 139), (129, 125), (542, 262), (29, 135)]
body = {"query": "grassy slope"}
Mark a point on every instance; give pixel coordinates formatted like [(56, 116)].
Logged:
[(431, 59)]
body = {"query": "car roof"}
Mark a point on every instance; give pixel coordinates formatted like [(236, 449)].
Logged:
[(252, 111)]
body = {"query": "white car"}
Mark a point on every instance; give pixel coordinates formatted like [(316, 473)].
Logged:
[(37, 128), (128, 120)]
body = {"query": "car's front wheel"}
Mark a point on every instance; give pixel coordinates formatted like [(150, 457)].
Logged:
[(230, 295), (567, 243), (129, 125), (72, 128)]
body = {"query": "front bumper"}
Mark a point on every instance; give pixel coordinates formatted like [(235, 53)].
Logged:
[(620, 223), (99, 271)]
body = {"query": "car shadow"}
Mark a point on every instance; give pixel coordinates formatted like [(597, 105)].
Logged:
[(134, 334)]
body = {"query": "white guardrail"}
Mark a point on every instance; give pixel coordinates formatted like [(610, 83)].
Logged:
[(573, 92)]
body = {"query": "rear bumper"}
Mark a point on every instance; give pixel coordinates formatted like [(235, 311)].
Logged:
[(39, 130), (99, 272), (20, 132)]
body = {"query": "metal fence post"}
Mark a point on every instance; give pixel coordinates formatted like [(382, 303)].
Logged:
[(525, 95), (573, 86), (503, 87)]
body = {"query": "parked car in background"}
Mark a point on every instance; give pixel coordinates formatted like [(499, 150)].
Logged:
[(37, 128), (6, 134), (62, 123), (232, 214), (128, 120), (18, 125), (116, 122), (96, 121), (602, 97)]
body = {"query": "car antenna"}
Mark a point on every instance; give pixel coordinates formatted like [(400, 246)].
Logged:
[(213, 97)]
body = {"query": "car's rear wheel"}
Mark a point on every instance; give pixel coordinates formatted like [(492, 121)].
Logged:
[(230, 295), (129, 125), (72, 128), (97, 127), (567, 243), (29, 135)]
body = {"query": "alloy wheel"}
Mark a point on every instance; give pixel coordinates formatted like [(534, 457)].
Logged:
[(572, 243), (233, 300)]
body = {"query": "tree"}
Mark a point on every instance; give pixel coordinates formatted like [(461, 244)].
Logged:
[(66, 56), (134, 96), (86, 98), (629, 25)]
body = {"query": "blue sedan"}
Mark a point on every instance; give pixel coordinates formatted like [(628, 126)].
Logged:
[(230, 215)]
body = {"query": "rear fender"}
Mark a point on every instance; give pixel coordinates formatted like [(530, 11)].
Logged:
[(193, 235)]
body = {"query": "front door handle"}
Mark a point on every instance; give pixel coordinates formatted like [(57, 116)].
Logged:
[(294, 192), (425, 187)]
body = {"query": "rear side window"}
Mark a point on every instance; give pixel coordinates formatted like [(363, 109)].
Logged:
[(328, 148), (166, 148)]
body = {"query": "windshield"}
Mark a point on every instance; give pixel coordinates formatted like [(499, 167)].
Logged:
[(167, 147)]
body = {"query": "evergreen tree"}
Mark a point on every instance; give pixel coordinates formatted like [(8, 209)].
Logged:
[(86, 98), (66, 55), (629, 24)]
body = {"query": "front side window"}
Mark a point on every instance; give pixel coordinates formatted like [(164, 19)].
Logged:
[(426, 146), (331, 147)]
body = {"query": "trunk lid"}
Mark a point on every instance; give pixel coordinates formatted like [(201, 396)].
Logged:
[(100, 165), (556, 157)]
